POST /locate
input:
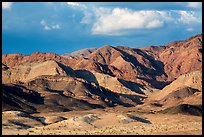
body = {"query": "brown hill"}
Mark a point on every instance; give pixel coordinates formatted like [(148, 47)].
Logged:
[(186, 89), (80, 54)]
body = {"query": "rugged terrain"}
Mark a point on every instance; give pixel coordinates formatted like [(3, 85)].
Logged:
[(121, 86)]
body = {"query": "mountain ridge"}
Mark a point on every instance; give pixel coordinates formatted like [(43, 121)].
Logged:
[(102, 77)]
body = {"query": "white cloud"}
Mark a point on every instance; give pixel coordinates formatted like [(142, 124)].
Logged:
[(49, 27), (76, 5), (194, 4), (155, 24), (6, 5), (56, 26), (42, 22), (73, 3), (188, 17), (87, 17), (122, 19), (189, 29)]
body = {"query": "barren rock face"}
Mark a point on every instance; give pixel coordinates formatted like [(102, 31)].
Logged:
[(182, 57), (105, 55), (193, 80), (186, 89), (179, 57), (46, 68), (31, 70)]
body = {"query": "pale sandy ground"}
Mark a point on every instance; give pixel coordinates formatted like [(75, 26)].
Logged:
[(110, 121)]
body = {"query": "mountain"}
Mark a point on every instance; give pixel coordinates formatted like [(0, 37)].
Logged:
[(80, 53), (108, 76)]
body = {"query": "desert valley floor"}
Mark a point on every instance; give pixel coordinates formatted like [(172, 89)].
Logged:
[(102, 122)]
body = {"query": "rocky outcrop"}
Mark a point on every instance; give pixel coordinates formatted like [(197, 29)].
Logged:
[(30, 71)]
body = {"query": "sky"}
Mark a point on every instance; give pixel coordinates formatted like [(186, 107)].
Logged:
[(64, 27)]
